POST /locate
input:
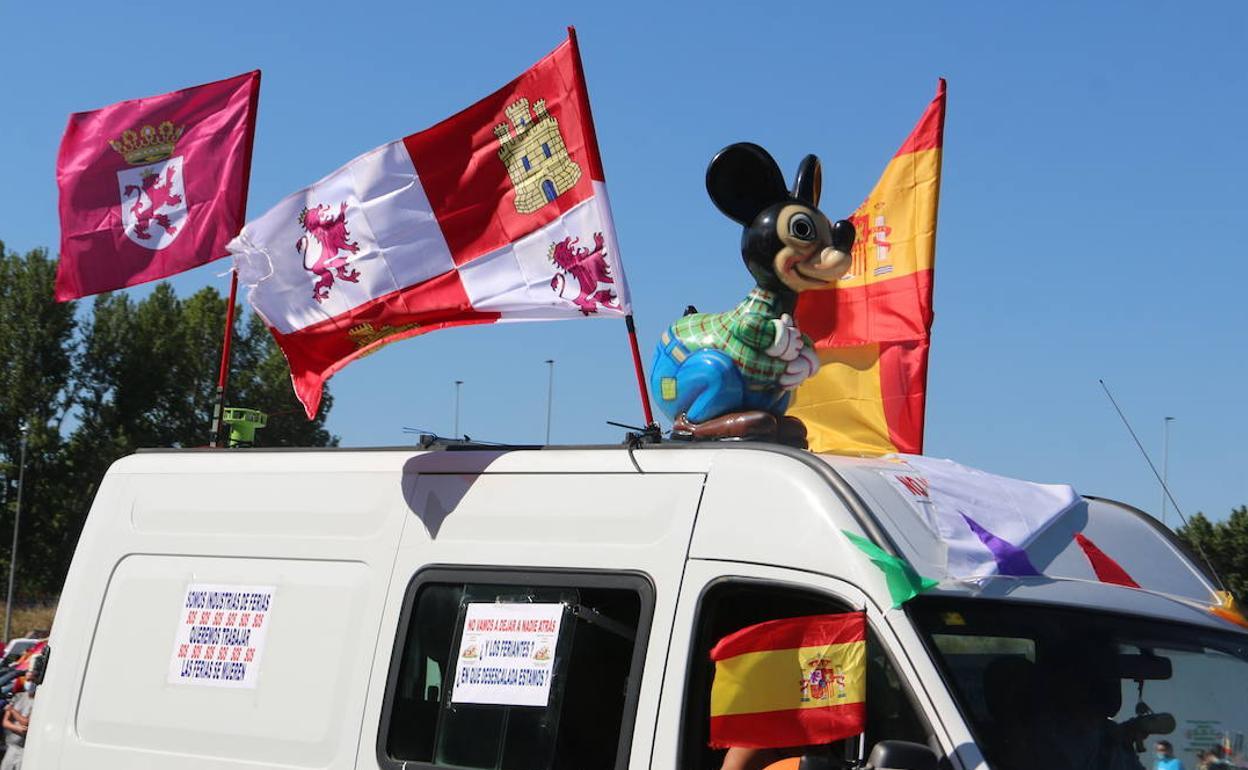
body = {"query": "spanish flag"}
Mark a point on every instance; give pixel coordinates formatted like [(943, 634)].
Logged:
[(792, 682), (872, 328)]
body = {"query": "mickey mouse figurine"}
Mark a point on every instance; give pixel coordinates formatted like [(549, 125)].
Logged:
[(731, 375)]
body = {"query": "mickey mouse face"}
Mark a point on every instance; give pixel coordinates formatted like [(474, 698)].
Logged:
[(807, 259), (788, 244)]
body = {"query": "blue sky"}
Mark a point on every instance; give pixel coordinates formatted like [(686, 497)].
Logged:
[(1090, 226)]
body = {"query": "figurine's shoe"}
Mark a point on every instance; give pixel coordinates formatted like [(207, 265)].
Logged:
[(791, 431), (755, 426)]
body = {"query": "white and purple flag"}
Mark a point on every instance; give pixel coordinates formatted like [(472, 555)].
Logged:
[(985, 521)]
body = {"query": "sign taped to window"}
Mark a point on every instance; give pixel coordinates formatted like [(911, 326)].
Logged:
[(221, 631), (507, 654)]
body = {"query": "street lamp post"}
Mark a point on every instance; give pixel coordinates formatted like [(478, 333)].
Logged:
[(1165, 465), (457, 384), (17, 520), (550, 397)]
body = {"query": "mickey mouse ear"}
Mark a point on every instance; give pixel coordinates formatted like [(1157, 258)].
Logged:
[(809, 181), (742, 180)]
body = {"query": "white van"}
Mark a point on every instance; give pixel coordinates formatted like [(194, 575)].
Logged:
[(317, 609)]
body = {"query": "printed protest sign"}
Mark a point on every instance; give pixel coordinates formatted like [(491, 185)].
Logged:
[(507, 654), (220, 639)]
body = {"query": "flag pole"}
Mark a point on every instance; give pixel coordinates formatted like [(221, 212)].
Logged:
[(593, 139), (641, 374), (223, 373)]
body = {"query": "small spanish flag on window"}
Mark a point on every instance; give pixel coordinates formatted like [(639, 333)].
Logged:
[(792, 682)]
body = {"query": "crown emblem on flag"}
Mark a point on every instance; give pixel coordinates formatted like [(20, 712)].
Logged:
[(148, 144)]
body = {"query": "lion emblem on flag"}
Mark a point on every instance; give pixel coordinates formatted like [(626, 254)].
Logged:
[(153, 191), (322, 248), (590, 270), (153, 203)]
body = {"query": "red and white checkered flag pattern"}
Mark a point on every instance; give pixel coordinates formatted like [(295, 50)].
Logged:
[(499, 213)]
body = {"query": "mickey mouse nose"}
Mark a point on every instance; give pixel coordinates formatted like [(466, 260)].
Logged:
[(843, 234)]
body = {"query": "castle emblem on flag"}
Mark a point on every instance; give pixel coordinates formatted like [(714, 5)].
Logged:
[(153, 197), (589, 268), (323, 243), (366, 334), (536, 158)]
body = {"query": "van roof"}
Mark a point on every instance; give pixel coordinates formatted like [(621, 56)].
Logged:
[(856, 491)]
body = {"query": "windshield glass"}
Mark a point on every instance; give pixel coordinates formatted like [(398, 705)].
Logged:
[(1049, 688)]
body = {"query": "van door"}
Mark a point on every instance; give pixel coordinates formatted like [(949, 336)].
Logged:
[(589, 562), (718, 598)]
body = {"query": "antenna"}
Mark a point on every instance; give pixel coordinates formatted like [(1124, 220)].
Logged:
[(1162, 481)]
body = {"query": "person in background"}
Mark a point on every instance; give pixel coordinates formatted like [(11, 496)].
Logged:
[(1216, 756), (16, 722), (1165, 758)]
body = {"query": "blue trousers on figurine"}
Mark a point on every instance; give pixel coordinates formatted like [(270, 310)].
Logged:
[(705, 384)]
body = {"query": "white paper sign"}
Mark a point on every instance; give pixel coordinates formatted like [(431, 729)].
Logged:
[(221, 630), (507, 654)]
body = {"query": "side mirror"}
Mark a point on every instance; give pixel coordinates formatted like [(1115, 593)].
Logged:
[(902, 755)]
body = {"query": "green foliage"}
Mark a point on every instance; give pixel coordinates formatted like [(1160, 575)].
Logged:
[(127, 375), (148, 373), (1225, 544), (36, 345)]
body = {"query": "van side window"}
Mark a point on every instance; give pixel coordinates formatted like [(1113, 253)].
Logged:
[(586, 673), (729, 606)]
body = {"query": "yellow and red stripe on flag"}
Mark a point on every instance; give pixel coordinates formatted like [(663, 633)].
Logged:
[(793, 682), (872, 328)]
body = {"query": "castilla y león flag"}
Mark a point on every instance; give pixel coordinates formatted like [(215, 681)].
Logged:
[(151, 187), (872, 329), (792, 682), (499, 213)]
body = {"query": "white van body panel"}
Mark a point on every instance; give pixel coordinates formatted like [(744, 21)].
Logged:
[(341, 535), (601, 517), (323, 532), (764, 508)]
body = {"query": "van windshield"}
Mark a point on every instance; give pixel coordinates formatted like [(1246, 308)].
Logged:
[(1048, 688)]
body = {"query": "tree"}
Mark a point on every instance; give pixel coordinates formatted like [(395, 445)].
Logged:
[(141, 374), (36, 345), (132, 374), (1225, 544), (148, 374)]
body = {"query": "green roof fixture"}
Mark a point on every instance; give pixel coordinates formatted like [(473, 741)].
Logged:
[(243, 424)]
